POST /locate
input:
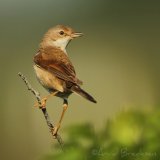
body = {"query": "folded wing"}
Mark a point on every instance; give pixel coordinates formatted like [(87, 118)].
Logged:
[(57, 62)]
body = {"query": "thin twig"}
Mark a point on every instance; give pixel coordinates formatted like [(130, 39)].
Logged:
[(44, 110)]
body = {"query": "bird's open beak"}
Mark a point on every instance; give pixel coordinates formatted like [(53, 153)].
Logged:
[(76, 34)]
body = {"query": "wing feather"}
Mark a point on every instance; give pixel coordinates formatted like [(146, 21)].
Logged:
[(57, 62)]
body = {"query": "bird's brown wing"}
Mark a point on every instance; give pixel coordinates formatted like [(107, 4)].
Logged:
[(57, 62)]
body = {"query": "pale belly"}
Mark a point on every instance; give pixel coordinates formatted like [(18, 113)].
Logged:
[(48, 80)]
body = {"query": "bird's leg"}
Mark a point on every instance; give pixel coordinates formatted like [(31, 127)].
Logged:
[(56, 128), (44, 100)]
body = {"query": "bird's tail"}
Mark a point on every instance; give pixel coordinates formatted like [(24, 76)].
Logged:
[(84, 94)]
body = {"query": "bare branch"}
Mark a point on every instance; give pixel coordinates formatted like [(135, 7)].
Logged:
[(44, 110)]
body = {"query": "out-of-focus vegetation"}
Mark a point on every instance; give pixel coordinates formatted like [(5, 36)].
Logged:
[(133, 135)]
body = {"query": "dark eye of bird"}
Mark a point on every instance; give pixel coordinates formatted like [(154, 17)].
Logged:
[(61, 33)]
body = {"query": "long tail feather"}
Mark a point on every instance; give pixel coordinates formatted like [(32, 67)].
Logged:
[(84, 94)]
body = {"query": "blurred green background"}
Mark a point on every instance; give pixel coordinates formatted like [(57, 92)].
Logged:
[(118, 60)]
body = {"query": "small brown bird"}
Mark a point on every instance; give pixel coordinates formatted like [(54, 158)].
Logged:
[(54, 70)]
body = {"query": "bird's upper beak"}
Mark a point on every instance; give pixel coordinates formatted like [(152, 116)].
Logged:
[(76, 34)]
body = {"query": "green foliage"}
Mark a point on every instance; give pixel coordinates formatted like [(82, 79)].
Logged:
[(133, 135)]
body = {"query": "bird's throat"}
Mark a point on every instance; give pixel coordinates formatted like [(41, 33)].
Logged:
[(62, 44)]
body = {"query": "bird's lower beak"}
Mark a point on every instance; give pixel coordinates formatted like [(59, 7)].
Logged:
[(76, 34)]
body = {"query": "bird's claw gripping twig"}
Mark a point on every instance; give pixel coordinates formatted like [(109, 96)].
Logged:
[(43, 103)]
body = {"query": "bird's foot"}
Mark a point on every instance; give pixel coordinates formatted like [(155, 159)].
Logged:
[(44, 100), (55, 130), (43, 103)]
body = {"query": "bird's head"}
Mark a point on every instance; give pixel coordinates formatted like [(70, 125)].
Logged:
[(60, 36)]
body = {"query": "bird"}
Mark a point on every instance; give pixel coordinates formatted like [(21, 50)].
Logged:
[(55, 71)]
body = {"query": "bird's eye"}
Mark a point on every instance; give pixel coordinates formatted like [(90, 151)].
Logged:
[(61, 33)]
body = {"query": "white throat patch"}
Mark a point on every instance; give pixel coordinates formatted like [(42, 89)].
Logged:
[(61, 43)]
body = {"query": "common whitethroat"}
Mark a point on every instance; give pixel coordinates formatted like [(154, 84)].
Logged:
[(54, 70)]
